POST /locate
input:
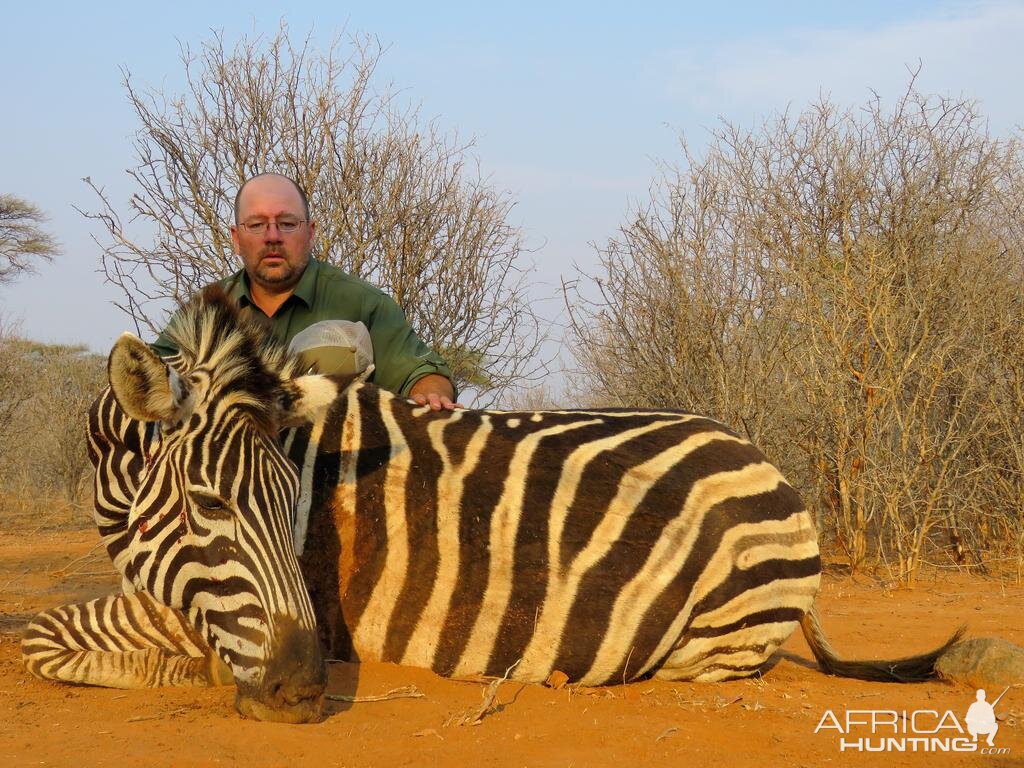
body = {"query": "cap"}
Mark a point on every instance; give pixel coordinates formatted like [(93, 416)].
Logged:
[(334, 346)]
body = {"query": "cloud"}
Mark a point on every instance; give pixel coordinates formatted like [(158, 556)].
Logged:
[(975, 52)]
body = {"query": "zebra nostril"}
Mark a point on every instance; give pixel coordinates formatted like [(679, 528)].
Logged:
[(285, 693)]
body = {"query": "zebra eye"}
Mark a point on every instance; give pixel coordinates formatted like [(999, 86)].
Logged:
[(211, 503)]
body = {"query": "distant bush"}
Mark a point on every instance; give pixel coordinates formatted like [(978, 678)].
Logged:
[(847, 288), (45, 392)]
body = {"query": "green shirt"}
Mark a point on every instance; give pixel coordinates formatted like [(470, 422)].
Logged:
[(325, 292)]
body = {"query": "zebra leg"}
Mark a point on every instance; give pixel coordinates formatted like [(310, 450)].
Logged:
[(697, 660), (120, 641), (738, 638)]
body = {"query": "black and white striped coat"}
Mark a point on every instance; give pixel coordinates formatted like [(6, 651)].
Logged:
[(610, 545), (606, 544)]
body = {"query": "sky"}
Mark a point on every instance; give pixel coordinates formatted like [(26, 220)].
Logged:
[(571, 105)]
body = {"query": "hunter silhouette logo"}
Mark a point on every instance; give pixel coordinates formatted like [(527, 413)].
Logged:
[(981, 717), (919, 730)]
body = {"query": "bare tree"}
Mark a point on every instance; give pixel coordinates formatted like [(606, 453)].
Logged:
[(398, 202), (845, 288), (23, 242)]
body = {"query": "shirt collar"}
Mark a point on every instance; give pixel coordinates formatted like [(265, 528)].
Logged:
[(305, 289)]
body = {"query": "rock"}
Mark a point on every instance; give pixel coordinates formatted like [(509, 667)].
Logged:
[(556, 680), (982, 662)]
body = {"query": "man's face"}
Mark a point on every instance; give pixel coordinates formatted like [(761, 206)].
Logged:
[(274, 260)]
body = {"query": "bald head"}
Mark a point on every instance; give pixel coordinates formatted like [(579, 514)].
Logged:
[(274, 235), (271, 183)]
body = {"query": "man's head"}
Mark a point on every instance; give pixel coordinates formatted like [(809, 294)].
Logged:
[(274, 260)]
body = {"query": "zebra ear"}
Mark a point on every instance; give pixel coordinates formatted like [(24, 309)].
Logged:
[(146, 388), (307, 398)]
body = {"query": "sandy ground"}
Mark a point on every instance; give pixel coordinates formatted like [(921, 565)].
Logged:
[(764, 722)]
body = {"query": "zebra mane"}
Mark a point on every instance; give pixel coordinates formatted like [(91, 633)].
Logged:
[(238, 351)]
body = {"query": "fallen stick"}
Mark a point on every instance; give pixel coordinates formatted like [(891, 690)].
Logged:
[(6, 584), (406, 692), (729, 703), (172, 713), (475, 717), (68, 569)]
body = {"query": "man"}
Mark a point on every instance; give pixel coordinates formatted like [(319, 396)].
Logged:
[(981, 718), (274, 234)]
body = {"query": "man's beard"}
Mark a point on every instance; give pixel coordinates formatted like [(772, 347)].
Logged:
[(275, 275), (279, 274)]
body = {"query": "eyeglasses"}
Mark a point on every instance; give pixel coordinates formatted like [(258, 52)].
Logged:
[(284, 226)]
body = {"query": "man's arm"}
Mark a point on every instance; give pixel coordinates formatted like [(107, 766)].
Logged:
[(405, 364), (436, 391)]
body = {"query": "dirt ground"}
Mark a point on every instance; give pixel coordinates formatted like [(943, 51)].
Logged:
[(765, 722)]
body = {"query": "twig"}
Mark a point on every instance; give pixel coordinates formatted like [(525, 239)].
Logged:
[(172, 713), (490, 694), (37, 529), (67, 570), (626, 665), (429, 732), (14, 579), (406, 692), (727, 703)]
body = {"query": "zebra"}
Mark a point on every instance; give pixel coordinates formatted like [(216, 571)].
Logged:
[(262, 518)]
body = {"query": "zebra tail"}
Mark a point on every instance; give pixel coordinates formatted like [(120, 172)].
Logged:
[(912, 669)]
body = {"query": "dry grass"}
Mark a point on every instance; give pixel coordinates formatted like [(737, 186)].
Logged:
[(24, 512)]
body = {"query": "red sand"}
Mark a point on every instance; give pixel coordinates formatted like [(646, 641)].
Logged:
[(758, 723)]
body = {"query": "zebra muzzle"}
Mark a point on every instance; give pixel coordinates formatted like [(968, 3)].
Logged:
[(292, 688)]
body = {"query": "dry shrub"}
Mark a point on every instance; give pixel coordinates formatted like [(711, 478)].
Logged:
[(15, 383), (397, 202), (845, 288), (44, 468)]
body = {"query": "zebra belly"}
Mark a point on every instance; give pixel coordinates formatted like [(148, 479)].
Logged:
[(686, 615)]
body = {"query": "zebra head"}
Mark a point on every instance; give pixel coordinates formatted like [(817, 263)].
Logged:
[(211, 524)]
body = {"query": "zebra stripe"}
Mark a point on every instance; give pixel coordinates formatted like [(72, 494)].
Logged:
[(119, 449), (607, 544), (564, 589), (120, 641), (472, 540), (451, 487)]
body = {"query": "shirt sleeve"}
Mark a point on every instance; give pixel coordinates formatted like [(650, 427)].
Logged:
[(163, 345), (401, 358)]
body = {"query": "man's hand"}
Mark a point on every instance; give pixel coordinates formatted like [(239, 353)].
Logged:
[(435, 391)]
